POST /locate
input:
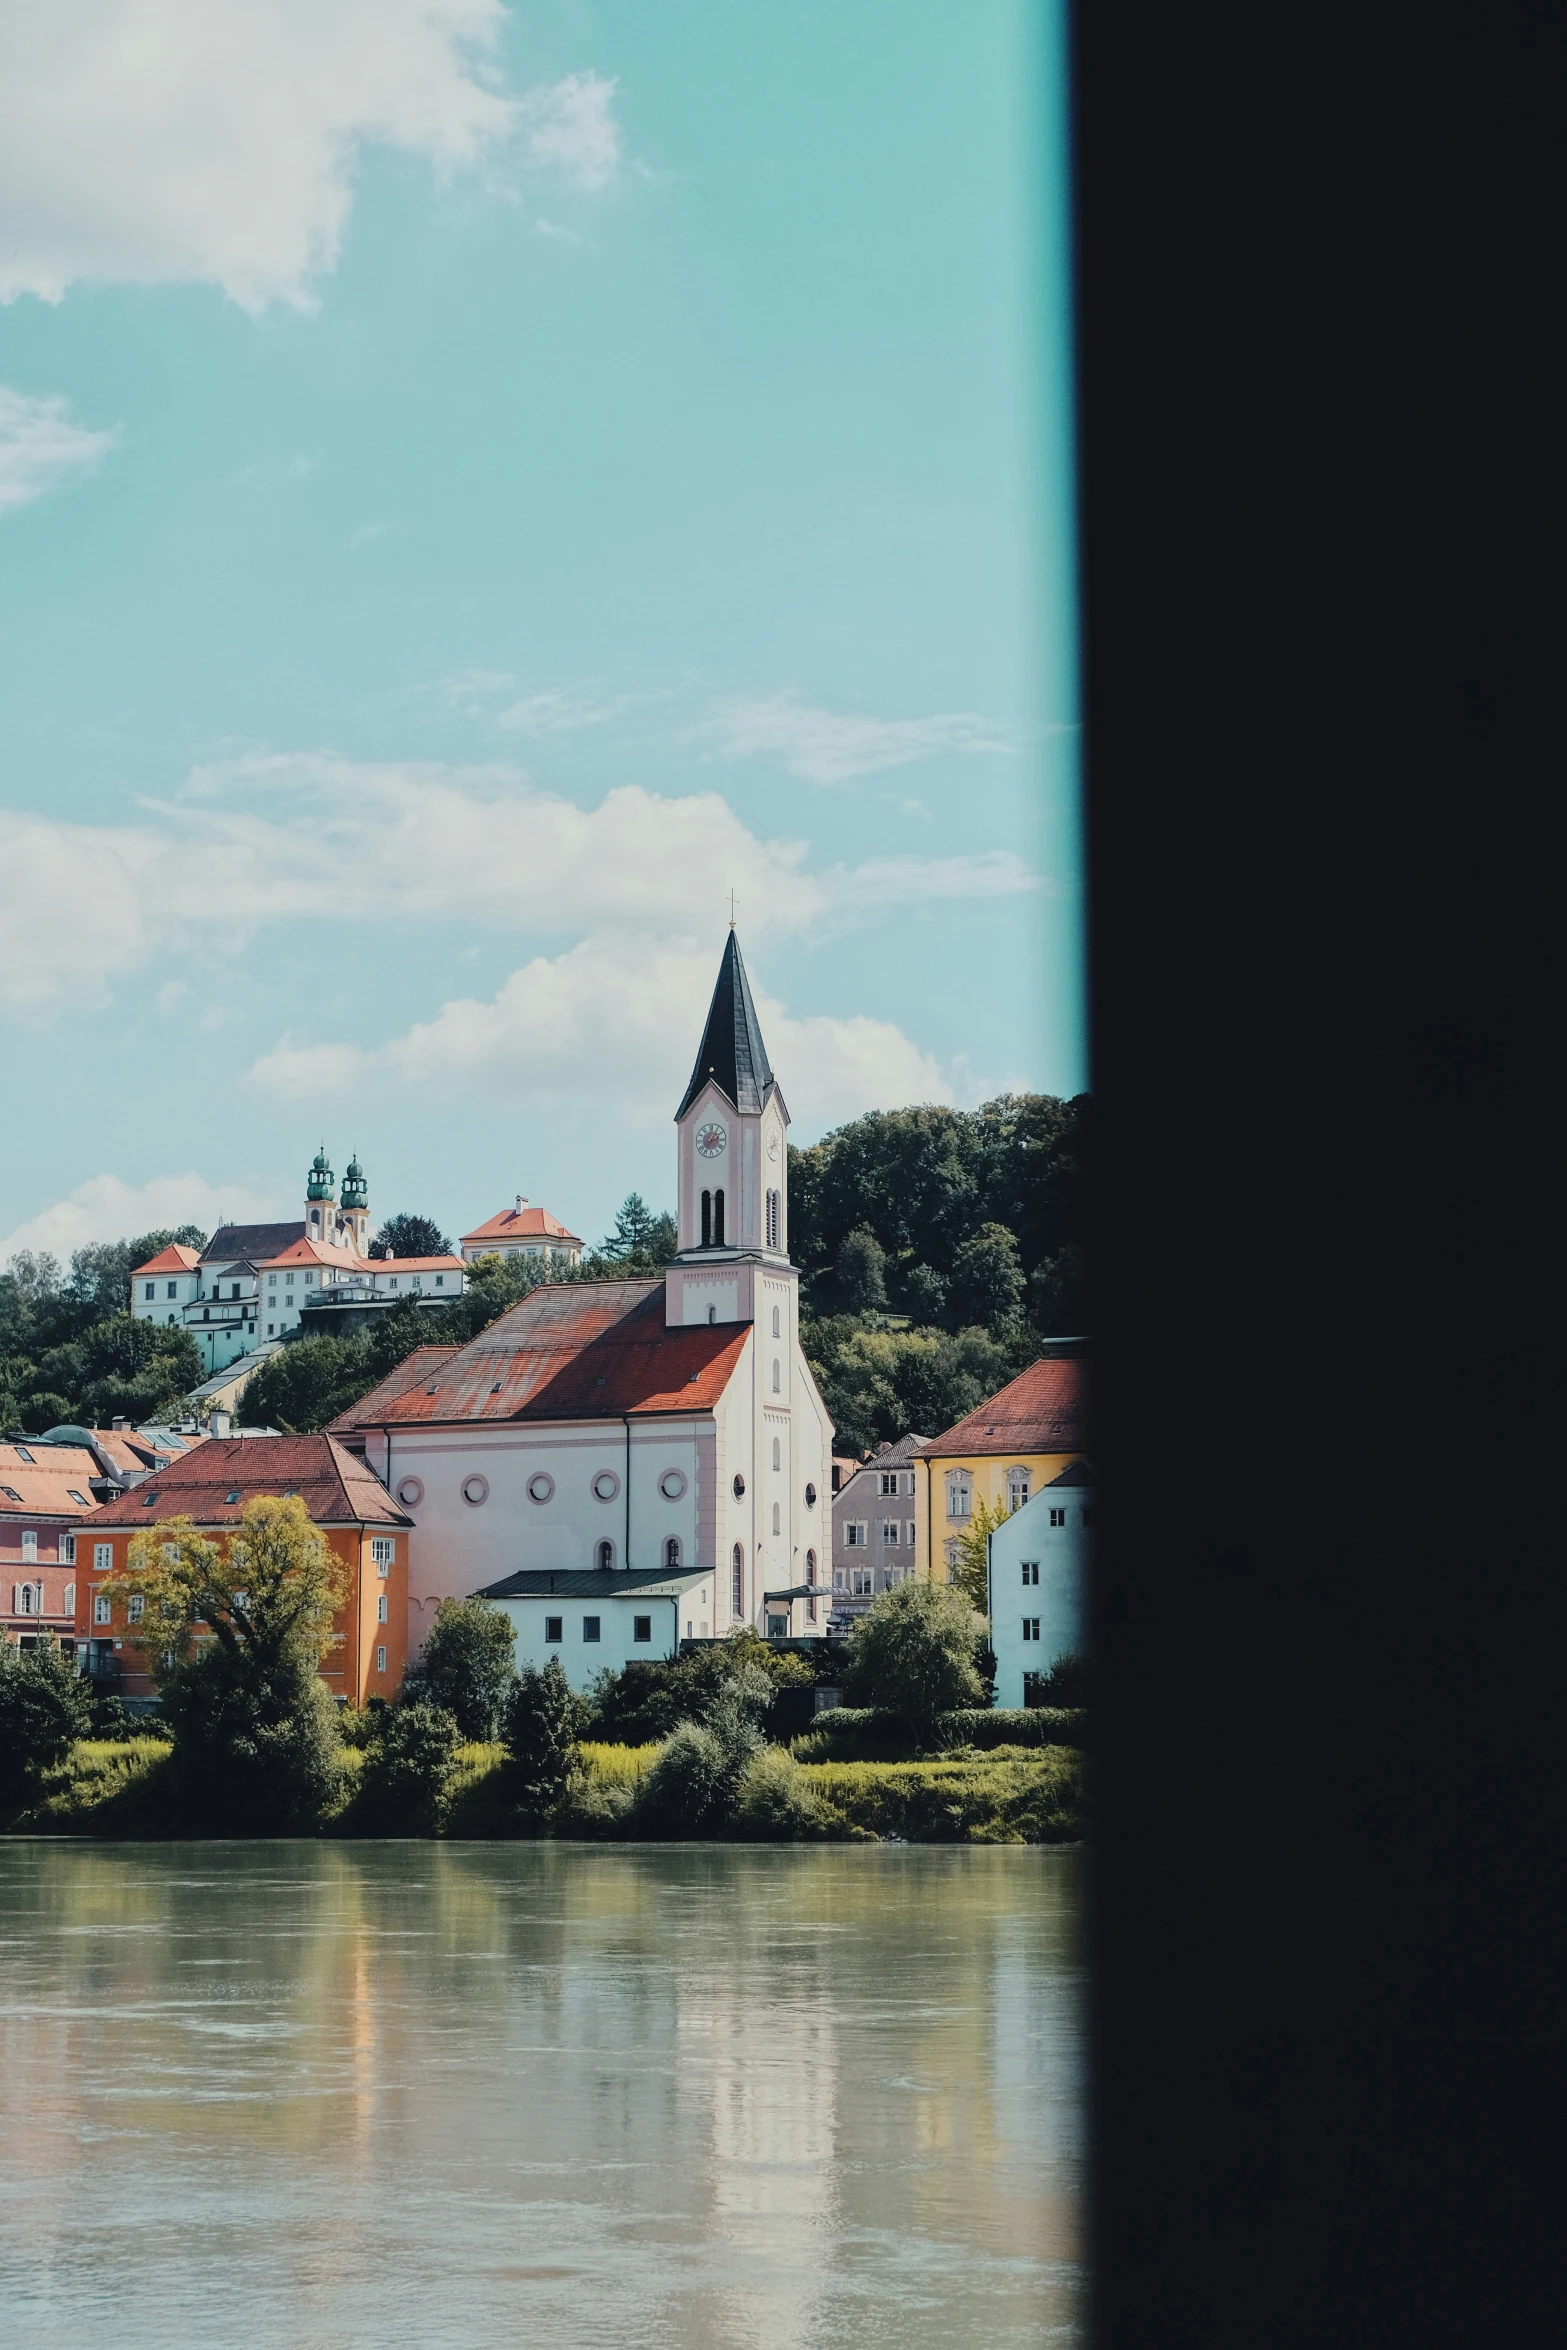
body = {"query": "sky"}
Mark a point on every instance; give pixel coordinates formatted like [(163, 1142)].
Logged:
[(479, 483)]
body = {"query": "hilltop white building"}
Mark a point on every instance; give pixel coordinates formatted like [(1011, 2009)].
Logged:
[(624, 1464)]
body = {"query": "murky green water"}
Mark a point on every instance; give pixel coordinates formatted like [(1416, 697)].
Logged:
[(282, 2096)]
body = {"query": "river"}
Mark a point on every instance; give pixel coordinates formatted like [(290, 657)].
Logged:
[(281, 2096)]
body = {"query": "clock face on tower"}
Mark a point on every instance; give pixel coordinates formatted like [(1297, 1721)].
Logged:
[(772, 1144), (711, 1141)]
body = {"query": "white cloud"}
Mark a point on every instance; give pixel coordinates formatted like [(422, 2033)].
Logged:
[(565, 710), (40, 447), (105, 1208), (569, 129), (607, 1029), (271, 838), (826, 746), (160, 141)]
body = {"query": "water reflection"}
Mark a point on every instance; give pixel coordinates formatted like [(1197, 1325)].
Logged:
[(287, 2095)]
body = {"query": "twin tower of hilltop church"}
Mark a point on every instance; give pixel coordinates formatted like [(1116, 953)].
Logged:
[(341, 1223)]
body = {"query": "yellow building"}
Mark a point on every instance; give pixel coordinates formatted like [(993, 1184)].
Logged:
[(1002, 1453)]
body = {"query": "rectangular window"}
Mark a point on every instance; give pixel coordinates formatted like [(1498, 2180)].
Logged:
[(100, 1611), (271, 1281), (552, 1625), (29, 1545), (289, 1280), (854, 1534), (1030, 1571), (133, 1612), (149, 1289), (960, 1501), (381, 1614), (590, 1627), (174, 1289), (380, 1660), (1031, 1627), (440, 1280), (103, 1557), (889, 1480), (840, 1578), (641, 1627), (862, 1582), (908, 1534), (381, 1549), (1058, 1517), (890, 1530), (68, 1600)]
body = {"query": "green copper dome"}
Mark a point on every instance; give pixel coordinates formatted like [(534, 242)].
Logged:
[(321, 1185), (356, 1192)]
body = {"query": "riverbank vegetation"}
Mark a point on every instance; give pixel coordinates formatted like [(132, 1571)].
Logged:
[(713, 1745)]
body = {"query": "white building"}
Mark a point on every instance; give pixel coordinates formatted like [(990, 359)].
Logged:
[(1039, 1561), (252, 1282), (522, 1231), (659, 1447)]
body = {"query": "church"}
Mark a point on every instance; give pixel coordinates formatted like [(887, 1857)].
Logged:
[(621, 1465)]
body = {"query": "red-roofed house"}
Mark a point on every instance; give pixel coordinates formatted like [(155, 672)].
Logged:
[(523, 1232), (1005, 1450), (45, 1489), (210, 1486), (624, 1464)]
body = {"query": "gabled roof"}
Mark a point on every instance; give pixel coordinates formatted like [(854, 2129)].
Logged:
[(42, 1487), (581, 1350), (596, 1583), (1080, 1473), (415, 1370), (258, 1242), (1045, 1409), (522, 1223), (732, 1053), (302, 1250), (176, 1258), (335, 1487)]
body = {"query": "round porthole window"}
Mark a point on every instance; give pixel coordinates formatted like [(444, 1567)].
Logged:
[(810, 1497), (605, 1485), (671, 1485), (540, 1486), (410, 1492), (475, 1490), (739, 1487)]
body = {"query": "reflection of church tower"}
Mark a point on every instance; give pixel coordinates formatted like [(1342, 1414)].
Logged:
[(355, 1216), (320, 1199)]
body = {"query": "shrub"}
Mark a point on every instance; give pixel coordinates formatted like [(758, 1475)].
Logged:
[(256, 1747), (645, 1701), (45, 1706), (695, 1783), (1066, 1682), (537, 1734), (872, 1734), (913, 1653), (406, 1786), (774, 1798), (1003, 1799), (465, 1665)]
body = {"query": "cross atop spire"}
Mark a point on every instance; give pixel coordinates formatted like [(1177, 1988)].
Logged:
[(732, 1052)]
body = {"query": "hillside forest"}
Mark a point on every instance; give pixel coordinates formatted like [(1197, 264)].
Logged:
[(937, 1249)]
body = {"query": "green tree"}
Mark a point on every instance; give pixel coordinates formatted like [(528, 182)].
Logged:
[(407, 1235), (925, 1291), (233, 1635), (537, 1733), (405, 1787), (100, 1277), (139, 1369), (862, 1270), (914, 1653), (466, 1665), (988, 1285), (648, 1699), (307, 1383), (970, 1565), (45, 1706), (694, 1786), (1058, 1294)]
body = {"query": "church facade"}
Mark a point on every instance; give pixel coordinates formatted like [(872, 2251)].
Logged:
[(622, 1464)]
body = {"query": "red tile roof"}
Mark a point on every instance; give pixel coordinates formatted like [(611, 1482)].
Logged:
[(334, 1486), (316, 1252), (589, 1350), (522, 1224), (42, 1487), (1045, 1409), (176, 1258), (415, 1370), (417, 1265)]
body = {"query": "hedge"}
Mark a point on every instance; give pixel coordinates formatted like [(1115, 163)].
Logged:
[(870, 1734)]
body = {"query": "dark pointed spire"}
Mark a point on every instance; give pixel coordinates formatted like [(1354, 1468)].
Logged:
[(732, 1053)]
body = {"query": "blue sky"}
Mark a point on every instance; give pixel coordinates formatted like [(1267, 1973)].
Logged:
[(477, 483)]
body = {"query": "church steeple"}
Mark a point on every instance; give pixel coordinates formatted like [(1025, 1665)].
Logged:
[(732, 1053)]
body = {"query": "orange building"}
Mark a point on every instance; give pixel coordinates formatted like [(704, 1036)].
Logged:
[(347, 1503), (45, 1493)]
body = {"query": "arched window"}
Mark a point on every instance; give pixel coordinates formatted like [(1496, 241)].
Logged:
[(707, 1219), (672, 1551), (777, 1518), (718, 1219), (1018, 1482), (960, 1494), (776, 1375), (712, 1313), (737, 1582), (774, 1218), (605, 1556), (777, 1332), (777, 1453), (810, 1577)]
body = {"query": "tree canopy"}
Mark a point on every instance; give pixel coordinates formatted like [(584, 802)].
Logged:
[(914, 1653), (640, 1238), (407, 1235), (69, 1349)]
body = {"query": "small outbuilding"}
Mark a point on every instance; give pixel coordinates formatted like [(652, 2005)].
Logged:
[(595, 1619), (1039, 1559)]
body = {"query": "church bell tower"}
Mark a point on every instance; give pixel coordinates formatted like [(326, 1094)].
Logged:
[(732, 1196)]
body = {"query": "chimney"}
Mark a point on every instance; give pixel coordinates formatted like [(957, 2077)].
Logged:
[(118, 1421), (522, 1201), (219, 1424)]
